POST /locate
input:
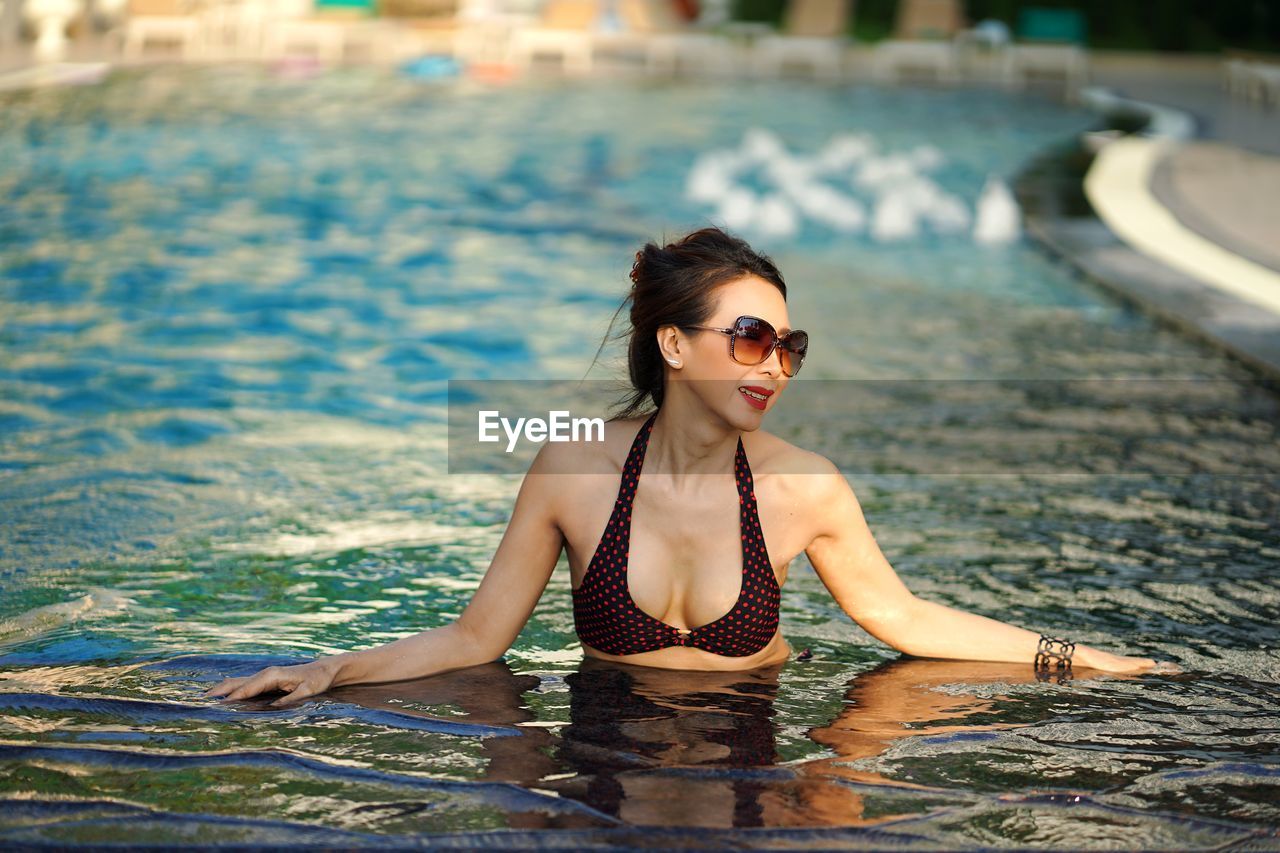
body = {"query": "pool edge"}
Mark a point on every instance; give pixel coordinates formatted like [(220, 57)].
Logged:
[(1060, 218)]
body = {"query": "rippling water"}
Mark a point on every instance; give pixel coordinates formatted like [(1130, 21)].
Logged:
[(229, 307)]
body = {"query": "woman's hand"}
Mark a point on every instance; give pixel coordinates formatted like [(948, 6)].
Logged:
[(297, 682), (1107, 662)]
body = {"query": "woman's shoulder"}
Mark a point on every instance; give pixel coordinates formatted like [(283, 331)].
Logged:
[(791, 475), (773, 456), (602, 451)]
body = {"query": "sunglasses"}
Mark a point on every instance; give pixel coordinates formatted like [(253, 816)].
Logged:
[(752, 340)]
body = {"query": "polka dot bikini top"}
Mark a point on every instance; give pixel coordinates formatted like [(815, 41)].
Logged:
[(608, 619)]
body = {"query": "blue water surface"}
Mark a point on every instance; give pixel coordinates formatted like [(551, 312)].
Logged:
[(230, 306)]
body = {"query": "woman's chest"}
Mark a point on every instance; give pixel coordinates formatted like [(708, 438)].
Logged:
[(680, 547)]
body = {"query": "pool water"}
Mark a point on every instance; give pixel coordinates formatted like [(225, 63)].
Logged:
[(230, 305)]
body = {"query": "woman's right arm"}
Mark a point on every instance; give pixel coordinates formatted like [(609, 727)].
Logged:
[(515, 580)]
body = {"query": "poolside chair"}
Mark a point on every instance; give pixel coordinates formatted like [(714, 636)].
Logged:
[(1253, 76), (223, 30), (418, 27), (922, 38), (294, 24), (565, 29), (815, 32), (654, 32), (1265, 82), (10, 22), (234, 29), (1048, 40), (52, 20), (1236, 76), (327, 30), (164, 21)]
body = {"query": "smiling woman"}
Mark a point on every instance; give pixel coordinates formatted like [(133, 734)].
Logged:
[(696, 587)]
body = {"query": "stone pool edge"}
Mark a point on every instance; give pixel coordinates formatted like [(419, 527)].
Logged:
[(1059, 216)]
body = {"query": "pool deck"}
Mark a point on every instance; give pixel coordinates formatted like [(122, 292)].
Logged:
[(1188, 229)]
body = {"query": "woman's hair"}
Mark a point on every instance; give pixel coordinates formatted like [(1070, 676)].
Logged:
[(675, 286)]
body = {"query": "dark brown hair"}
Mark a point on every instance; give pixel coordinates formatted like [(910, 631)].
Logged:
[(674, 286)]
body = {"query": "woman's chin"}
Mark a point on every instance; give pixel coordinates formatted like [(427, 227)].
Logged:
[(747, 418)]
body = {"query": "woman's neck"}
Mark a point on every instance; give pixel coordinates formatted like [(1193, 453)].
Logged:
[(683, 446)]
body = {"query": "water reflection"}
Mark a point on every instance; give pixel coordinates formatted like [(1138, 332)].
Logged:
[(629, 725), (653, 747)]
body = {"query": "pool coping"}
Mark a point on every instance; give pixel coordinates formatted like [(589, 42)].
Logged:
[(1061, 193), (53, 74)]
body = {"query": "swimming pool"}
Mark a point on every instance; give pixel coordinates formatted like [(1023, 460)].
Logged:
[(230, 305)]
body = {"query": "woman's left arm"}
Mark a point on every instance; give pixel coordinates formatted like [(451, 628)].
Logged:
[(850, 564)]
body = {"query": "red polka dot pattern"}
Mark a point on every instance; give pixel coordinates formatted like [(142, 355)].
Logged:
[(608, 619)]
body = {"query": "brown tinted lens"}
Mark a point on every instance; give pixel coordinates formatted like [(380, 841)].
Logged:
[(793, 348), (752, 338)]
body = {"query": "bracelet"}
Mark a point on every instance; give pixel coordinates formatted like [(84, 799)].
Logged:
[(1053, 654), (1060, 676)]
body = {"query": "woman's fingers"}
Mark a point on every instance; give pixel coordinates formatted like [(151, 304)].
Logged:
[(1148, 665), (296, 682), (1129, 665), (313, 678), (302, 691), (1108, 662), (1138, 664), (1166, 667), (260, 684), (271, 678), (225, 686)]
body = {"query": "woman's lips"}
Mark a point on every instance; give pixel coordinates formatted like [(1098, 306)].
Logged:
[(755, 402)]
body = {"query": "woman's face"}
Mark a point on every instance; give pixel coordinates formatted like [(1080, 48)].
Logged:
[(724, 384)]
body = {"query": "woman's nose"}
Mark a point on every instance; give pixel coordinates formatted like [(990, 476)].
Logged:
[(773, 364)]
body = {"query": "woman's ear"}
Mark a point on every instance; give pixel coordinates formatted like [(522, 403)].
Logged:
[(669, 345)]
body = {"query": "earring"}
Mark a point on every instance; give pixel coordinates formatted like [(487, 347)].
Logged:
[(673, 362)]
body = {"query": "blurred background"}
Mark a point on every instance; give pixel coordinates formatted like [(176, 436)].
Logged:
[(1197, 26), (248, 246)]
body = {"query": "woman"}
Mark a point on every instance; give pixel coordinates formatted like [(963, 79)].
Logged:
[(696, 587)]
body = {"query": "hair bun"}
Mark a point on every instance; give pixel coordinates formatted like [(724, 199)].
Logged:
[(635, 267)]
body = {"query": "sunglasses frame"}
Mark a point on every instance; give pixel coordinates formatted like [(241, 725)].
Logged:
[(732, 332)]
